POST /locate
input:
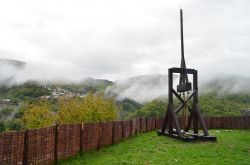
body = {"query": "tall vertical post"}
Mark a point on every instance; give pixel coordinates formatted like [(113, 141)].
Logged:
[(182, 41), (183, 74), (81, 137), (56, 144), (167, 118), (195, 102), (170, 100), (170, 86), (172, 115), (26, 147), (196, 106), (195, 86)]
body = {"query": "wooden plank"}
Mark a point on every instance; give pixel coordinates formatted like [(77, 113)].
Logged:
[(105, 134), (117, 131), (126, 129)]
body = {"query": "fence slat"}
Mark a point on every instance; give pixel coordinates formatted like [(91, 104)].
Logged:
[(26, 147), (68, 140), (133, 127), (105, 134), (117, 131), (138, 125), (126, 129), (90, 136), (143, 125), (40, 146)]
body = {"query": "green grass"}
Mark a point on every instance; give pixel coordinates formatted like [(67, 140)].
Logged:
[(232, 147)]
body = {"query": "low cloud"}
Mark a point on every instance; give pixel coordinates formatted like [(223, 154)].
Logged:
[(149, 87), (141, 88), (120, 39)]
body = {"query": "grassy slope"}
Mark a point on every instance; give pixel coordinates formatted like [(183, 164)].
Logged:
[(233, 147)]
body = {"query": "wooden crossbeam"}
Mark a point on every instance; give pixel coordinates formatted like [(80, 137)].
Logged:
[(171, 125)]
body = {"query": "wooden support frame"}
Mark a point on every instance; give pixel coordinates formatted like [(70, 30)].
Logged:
[(195, 118)]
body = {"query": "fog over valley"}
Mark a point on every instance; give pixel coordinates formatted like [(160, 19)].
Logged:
[(117, 40), (132, 44), (142, 88)]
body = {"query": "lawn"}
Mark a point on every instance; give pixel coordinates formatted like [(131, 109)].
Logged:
[(232, 147)]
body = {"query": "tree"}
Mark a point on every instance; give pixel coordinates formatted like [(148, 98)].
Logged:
[(38, 115), (128, 106), (93, 108), (14, 124), (70, 111), (2, 126), (151, 109)]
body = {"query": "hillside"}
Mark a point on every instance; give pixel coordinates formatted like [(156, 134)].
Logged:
[(9, 70), (13, 63), (136, 97), (140, 88), (211, 105), (86, 85), (226, 85), (13, 98), (225, 95), (128, 107), (32, 89)]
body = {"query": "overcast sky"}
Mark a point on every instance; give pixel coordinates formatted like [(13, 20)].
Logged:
[(117, 39)]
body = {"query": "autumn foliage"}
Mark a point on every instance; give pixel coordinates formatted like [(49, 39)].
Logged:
[(92, 108), (37, 115)]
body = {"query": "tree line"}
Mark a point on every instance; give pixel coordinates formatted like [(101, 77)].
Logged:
[(43, 113)]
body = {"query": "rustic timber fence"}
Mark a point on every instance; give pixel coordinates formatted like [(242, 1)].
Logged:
[(48, 145)]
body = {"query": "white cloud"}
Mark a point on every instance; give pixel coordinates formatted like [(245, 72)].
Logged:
[(118, 39)]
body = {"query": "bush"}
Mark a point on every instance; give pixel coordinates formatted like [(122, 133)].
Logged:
[(93, 108), (38, 115), (6, 112)]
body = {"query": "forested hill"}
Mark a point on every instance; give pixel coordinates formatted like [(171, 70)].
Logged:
[(13, 63), (226, 85), (222, 96), (33, 90), (9, 69), (211, 105)]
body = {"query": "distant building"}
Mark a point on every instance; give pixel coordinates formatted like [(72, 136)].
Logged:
[(245, 112), (5, 100), (45, 97)]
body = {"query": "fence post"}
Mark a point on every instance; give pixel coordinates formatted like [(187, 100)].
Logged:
[(81, 136), (131, 125), (56, 144), (113, 132), (155, 123), (140, 125), (122, 129), (26, 147)]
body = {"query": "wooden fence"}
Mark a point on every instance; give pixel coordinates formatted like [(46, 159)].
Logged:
[(48, 145)]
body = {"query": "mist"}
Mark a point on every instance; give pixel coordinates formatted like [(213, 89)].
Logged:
[(120, 39), (141, 88), (146, 88), (68, 41), (15, 72), (224, 84)]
